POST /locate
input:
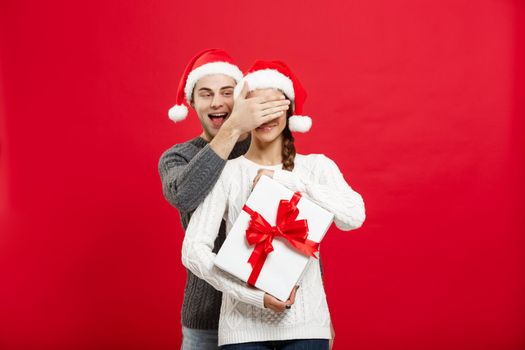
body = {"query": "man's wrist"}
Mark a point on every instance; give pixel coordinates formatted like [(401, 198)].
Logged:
[(225, 140), (231, 130)]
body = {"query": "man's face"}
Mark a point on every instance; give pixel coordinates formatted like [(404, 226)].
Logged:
[(213, 102)]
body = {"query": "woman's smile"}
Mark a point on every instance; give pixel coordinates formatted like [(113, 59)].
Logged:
[(266, 127)]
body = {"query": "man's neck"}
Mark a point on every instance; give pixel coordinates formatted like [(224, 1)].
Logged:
[(205, 137)]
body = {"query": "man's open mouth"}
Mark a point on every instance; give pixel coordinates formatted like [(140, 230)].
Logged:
[(218, 118)]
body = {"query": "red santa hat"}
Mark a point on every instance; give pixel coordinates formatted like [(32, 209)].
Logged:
[(277, 75), (207, 62)]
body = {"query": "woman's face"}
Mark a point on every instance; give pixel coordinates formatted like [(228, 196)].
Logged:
[(271, 130)]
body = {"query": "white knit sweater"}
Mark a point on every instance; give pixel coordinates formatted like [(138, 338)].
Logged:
[(243, 317)]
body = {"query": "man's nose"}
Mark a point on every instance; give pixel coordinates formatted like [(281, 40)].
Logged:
[(217, 101)]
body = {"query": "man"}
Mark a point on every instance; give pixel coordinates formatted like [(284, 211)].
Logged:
[(190, 170)]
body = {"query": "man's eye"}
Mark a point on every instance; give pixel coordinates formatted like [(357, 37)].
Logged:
[(205, 95), (228, 93)]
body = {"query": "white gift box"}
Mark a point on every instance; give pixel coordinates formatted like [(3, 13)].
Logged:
[(284, 265)]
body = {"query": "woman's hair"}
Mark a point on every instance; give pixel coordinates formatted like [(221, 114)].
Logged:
[(288, 152)]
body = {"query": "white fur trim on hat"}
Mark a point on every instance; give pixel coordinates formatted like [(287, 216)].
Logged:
[(210, 69), (267, 79), (178, 113), (299, 123)]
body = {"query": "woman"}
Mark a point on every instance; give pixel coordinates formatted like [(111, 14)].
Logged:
[(250, 318)]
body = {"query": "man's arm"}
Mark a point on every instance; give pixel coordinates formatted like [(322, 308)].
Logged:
[(188, 177)]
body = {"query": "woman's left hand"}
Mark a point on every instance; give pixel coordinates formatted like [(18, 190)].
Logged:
[(260, 173)]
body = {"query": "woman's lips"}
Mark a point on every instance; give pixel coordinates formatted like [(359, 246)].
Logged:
[(266, 127)]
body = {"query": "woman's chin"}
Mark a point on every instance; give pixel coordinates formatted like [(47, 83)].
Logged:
[(265, 139)]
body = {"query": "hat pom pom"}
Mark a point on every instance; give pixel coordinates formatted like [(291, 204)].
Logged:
[(178, 113), (299, 123)]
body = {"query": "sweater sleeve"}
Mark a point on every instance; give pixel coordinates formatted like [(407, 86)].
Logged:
[(186, 180), (197, 247), (329, 190)]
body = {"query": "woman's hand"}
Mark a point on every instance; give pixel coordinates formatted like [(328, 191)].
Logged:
[(260, 173), (272, 303)]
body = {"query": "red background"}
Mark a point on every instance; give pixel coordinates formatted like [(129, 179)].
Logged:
[(421, 104)]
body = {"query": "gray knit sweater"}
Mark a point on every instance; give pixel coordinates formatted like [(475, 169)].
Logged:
[(188, 172)]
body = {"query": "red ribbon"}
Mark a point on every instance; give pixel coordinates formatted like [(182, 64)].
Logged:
[(261, 233)]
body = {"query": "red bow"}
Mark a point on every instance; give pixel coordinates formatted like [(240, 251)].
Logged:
[(261, 233)]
